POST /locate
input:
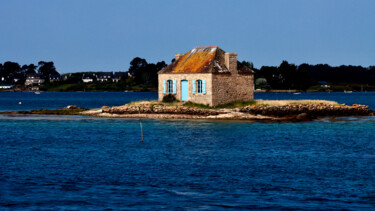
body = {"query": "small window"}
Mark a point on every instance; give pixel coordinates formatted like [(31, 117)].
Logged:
[(199, 87), (170, 86)]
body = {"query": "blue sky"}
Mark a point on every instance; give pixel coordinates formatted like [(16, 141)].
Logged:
[(106, 35)]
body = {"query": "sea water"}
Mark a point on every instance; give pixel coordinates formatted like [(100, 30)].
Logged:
[(72, 162)]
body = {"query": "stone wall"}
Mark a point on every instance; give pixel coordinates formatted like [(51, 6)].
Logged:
[(220, 88), (231, 62), (197, 98), (232, 87)]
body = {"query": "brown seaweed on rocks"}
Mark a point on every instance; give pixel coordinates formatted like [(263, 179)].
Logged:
[(311, 110)]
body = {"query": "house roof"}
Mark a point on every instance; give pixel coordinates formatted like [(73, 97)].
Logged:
[(34, 75), (119, 74), (55, 76), (88, 75), (199, 60), (245, 70), (102, 74)]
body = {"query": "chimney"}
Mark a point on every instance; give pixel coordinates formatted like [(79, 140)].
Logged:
[(231, 62), (177, 56)]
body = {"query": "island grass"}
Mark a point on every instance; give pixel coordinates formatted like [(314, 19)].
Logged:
[(196, 105), (293, 102), (235, 104), (153, 103)]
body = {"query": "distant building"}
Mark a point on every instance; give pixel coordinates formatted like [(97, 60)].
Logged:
[(55, 77), (88, 77), (5, 86), (16, 79), (105, 76), (6, 79), (65, 76), (206, 75), (117, 76), (34, 79), (323, 84)]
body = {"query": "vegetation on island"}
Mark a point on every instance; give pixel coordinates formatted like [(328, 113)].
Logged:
[(234, 104), (257, 110)]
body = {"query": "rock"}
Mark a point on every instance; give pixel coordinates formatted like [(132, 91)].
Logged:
[(72, 107), (302, 117)]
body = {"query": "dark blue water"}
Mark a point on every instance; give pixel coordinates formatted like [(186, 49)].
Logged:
[(51, 100), (84, 163), (9, 101)]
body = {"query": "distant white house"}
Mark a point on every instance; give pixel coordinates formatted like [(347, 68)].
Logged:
[(88, 77), (323, 84), (55, 77), (105, 76), (34, 79), (5, 86), (16, 80)]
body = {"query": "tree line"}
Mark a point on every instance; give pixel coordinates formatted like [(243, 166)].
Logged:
[(284, 76), (9, 71), (145, 73), (304, 76)]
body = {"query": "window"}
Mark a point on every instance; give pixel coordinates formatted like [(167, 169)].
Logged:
[(170, 86), (199, 87)]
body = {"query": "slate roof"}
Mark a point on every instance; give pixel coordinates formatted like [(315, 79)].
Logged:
[(105, 75), (118, 75), (54, 76), (245, 70), (88, 76), (199, 60), (34, 75)]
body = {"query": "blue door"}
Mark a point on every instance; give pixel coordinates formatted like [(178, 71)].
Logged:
[(184, 90)]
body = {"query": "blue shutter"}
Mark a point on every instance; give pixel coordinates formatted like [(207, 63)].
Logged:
[(164, 86), (174, 86), (204, 86), (193, 86)]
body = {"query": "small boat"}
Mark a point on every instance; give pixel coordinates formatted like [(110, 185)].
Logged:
[(348, 91), (297, 93), (37, 93)]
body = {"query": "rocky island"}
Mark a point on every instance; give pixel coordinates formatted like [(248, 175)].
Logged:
[(257, 110)]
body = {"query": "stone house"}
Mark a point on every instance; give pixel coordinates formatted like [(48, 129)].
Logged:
[(206, 75)]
